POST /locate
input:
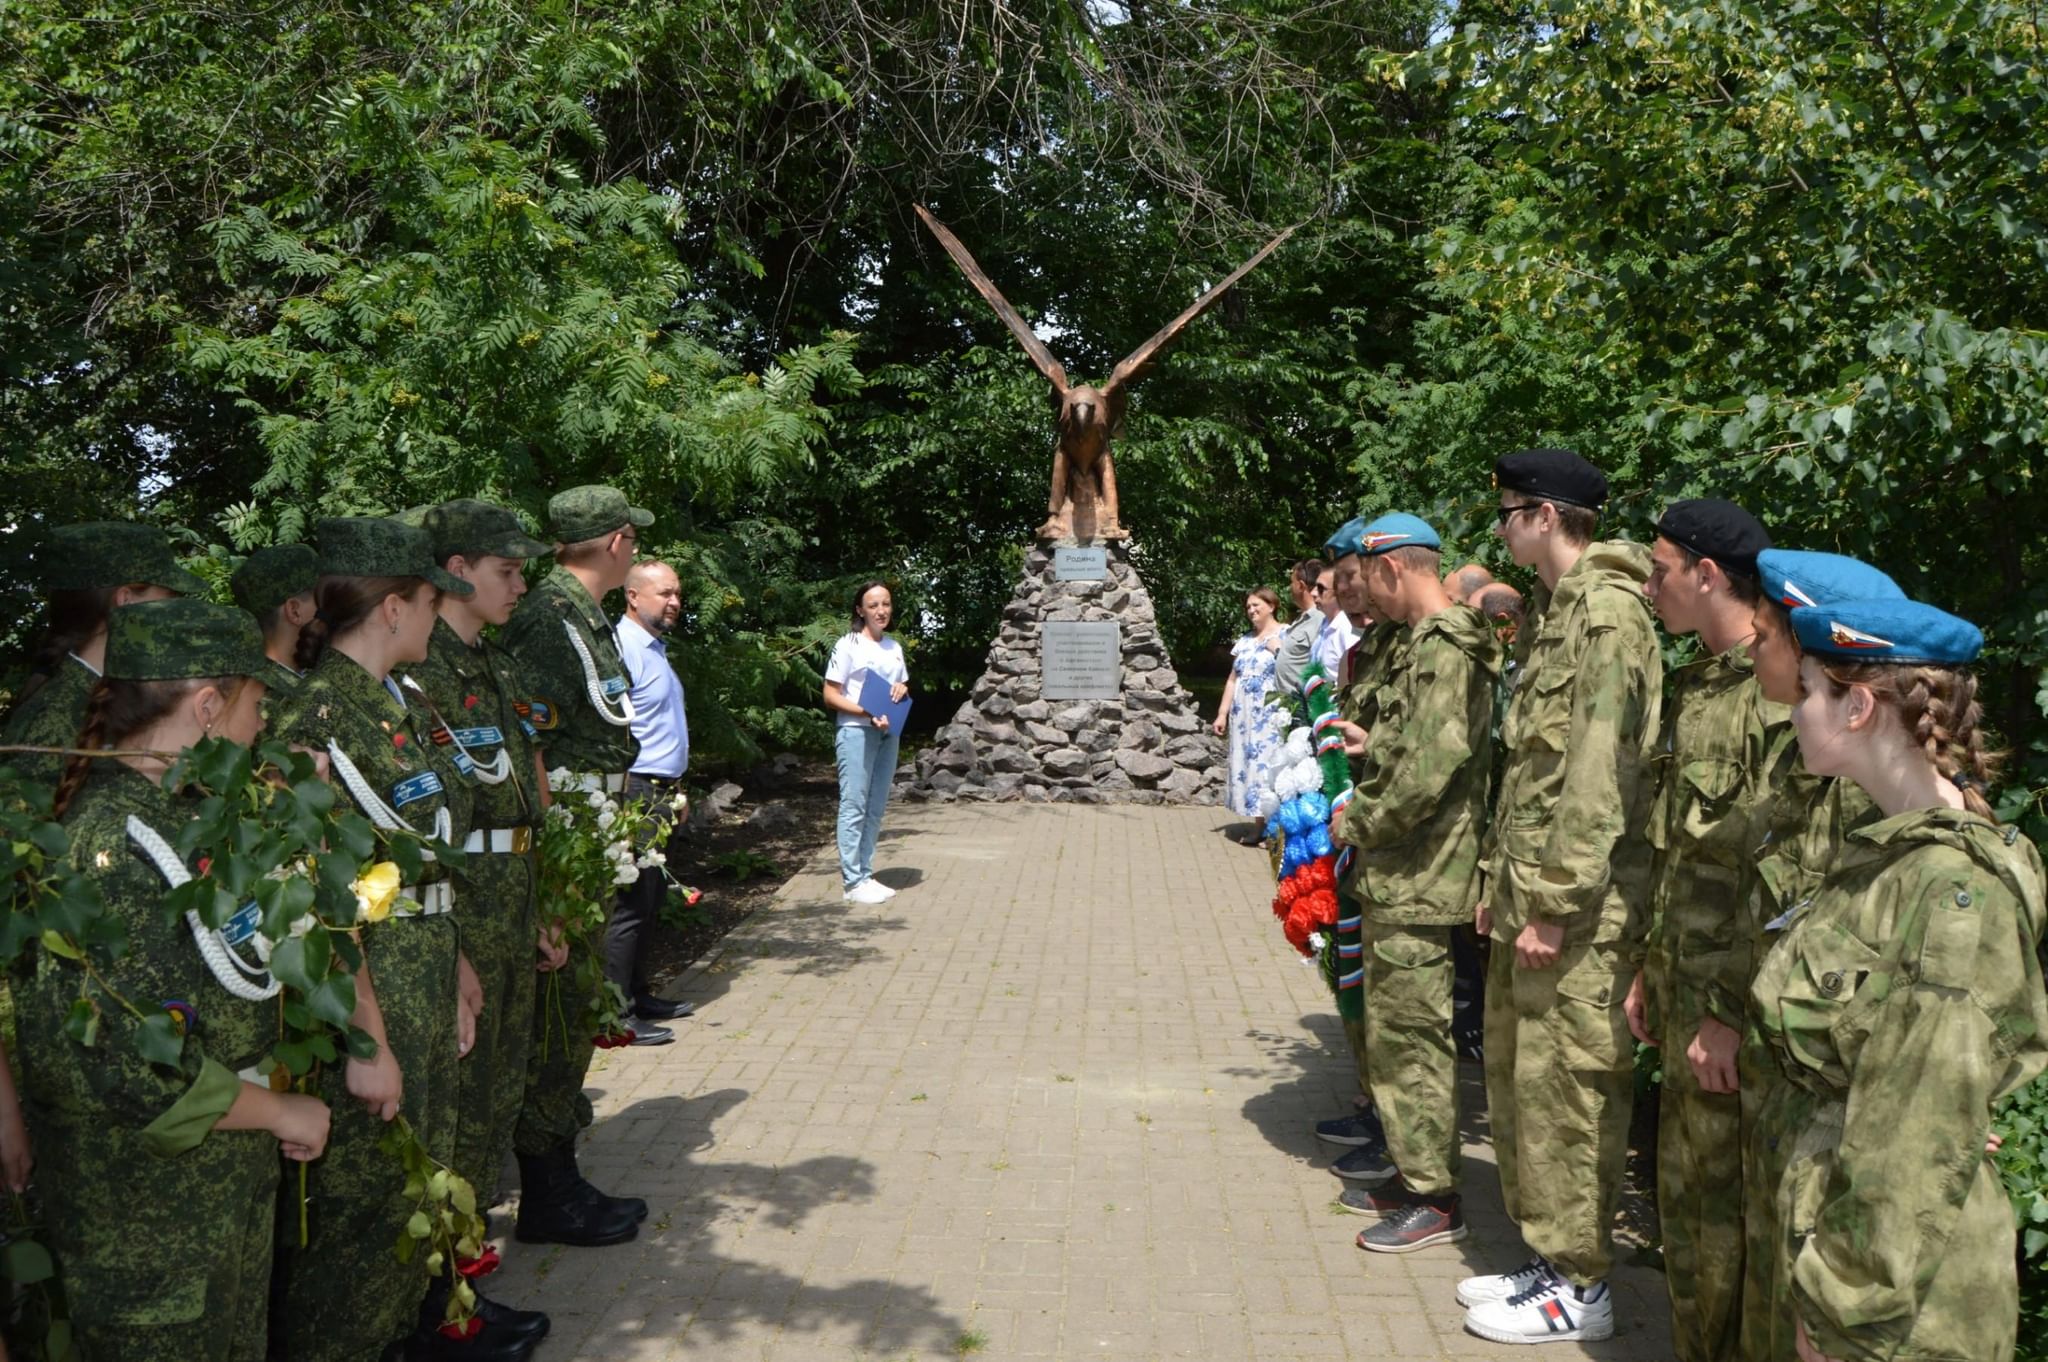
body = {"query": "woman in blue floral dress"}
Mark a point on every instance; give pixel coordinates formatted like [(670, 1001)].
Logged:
[(1256, 728)]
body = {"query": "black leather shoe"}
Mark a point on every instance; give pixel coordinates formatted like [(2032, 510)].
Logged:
[(492, 1342), (511, 1320), (556, 1206), (650, 1008), (650, 1033)]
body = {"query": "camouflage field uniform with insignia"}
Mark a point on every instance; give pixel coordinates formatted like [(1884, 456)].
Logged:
[(472, 693), (1799, 832), (1372, 662), (575, 735), (1718, 734), (160, 1224), (1416, 825), (1563, 848), (50, 717), (346, 1294), (1900, 1004)]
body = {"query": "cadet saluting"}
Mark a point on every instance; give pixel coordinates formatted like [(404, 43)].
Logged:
[(92, 569), (159, 1183), (564, 646), (1901, 1001), (377, 593)]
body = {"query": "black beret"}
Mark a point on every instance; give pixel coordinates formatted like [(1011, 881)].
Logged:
[(1716, 529), (1552, 475)]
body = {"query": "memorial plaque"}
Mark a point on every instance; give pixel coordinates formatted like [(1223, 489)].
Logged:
[(1081, 660), (1080, 565)]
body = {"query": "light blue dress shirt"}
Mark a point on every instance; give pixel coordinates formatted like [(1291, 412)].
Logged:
[(658, 721)]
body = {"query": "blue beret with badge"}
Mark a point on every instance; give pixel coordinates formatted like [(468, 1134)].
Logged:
[(1801, 577), (1397, 531), (1348, 539), (1900, 630)]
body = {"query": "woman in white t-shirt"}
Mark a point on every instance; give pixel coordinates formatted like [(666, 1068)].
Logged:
[(866, 745)]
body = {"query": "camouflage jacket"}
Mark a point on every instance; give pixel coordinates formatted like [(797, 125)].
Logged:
[(1421, 804), (1719, 733), (1797, 832), (390, 744), (1908, 994), (1371, 665), (473, 707), (51, 717), (573, 731), (167, 1110), (1580, 729)]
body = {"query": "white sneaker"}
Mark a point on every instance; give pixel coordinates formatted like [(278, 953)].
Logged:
[(1500, 1286), (1553, 1311), (867, 891), (887, 892)]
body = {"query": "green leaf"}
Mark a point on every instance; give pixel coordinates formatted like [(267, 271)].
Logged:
[(58, 945), (25, 1262), (160, 1040)]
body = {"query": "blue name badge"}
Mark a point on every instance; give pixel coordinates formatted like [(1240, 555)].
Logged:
[(614, 684), (242, 925), (463, 764), (413, 789), (489, 736)]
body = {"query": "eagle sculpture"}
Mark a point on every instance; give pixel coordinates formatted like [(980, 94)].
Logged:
[(1083, 504)]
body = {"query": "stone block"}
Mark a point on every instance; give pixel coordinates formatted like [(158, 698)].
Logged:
[(1177, 721), (1045, 735), (1113, 781), (998, 706), (1074, 717), (1033, 709), (1140, 734), (1144, 766), (1065, 761), (1182, 785), (1005, 785), (1009, 759)]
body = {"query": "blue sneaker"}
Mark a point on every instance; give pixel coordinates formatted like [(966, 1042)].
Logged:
[(1360, 1127), (1368, 1164)]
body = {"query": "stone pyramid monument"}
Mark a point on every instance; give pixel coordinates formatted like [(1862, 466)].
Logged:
[(1078, 702)]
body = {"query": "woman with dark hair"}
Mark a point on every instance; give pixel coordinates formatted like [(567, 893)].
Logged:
[(159, 1181), (1256, 728), (347, 1297), (1900, 1001), (90, 571), (865, 742)]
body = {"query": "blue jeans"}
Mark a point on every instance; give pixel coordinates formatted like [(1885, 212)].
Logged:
[(867, 763)]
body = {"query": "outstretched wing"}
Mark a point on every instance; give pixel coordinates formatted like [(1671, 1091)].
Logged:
[(1026, 337), (1137, 361)]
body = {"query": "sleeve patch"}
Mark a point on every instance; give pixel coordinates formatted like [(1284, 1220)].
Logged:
[(1948, 957)]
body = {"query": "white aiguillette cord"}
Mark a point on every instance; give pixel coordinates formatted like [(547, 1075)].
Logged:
[(236, 975), (617, 718), (376, 810), (492, 772)]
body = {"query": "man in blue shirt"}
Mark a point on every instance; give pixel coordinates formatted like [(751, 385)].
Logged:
[(654, 600)]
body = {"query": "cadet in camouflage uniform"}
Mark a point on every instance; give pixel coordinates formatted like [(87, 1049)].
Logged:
[(159, 1182), (275, 585), (1718, 733), (1415, 825), (1563, 901), (89, 570), (346, 1296), (1800, 832), (1901, 1002), (569, 659)]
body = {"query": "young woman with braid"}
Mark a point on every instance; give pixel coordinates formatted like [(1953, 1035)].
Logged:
[(1901, 1000), (158, 1181), (346, 1296)]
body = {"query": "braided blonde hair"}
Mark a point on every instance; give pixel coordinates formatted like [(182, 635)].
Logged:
[(1938, 708)]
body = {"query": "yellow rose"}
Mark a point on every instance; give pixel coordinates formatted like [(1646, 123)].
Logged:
[(376, 889)]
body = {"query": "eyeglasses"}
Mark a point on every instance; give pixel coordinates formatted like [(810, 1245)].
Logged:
[(1317, 590), (1500, 517)]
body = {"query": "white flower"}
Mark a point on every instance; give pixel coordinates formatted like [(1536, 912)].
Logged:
[(558, 777), (605, 820), (561, 814), (651, 859), (1315, 941), (628, 873), (681, 803), (303, 924)]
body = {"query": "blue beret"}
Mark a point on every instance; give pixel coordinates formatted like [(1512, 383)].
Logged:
[(1348, 539), (1398, 531), (1887, 631), (1796, 577)]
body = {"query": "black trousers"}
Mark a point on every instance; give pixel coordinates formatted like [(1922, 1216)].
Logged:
[(639, 904)]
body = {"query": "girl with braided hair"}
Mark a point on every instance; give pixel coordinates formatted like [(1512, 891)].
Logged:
[(1901, 999), (159, 1181)]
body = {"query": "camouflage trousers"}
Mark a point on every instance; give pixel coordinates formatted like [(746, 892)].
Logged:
[(1350, 1002), (164, 1260), (554, 1109), (496, 913), (1699, 1206), (1559, 1091), (346, 1295), (1409, 974)]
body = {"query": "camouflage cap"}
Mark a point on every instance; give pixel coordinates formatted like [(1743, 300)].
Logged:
[(102, 553), (269, 577), (477, 529), (586, 512), (373, 546), (178, 639)]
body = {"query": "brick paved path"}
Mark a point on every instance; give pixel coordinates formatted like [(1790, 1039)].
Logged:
[(1051, 1102)]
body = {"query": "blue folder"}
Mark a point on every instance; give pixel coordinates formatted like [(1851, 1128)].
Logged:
[(874, 698)]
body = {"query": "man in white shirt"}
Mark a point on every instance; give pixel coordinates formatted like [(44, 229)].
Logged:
[(654, 601)]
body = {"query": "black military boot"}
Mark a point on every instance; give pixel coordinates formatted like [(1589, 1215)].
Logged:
[(633, 1204), (487, 1342), (556, 1206)]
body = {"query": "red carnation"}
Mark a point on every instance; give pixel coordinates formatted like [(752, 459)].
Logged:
[(464, 1331), (469, 702), (483, 1265), (398, 739)]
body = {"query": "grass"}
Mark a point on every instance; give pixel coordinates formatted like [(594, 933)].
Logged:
[(970, 1341)]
